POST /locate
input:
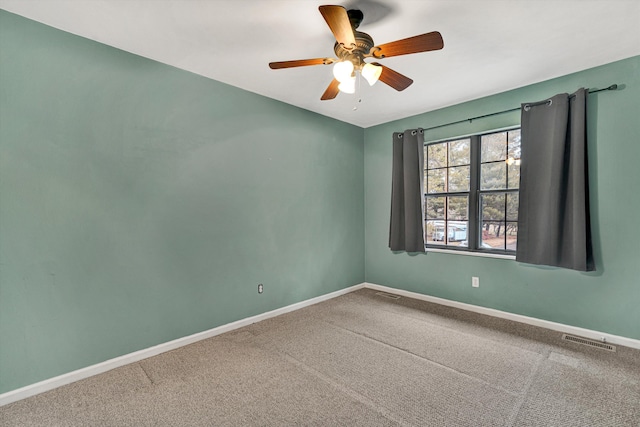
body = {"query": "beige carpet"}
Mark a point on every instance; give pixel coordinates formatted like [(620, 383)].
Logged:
[(358, 360)]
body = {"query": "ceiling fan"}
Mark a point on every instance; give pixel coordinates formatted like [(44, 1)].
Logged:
[(353, 47)]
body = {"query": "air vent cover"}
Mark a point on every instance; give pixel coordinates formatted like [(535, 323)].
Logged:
[(386, 295), (590, 343)]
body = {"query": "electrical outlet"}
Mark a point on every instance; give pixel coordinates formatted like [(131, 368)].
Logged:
[(475, 282), (260, 288)]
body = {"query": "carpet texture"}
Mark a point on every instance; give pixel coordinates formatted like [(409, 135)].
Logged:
[(361, 359)]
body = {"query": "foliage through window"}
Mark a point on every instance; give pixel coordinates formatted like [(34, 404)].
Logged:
[(471, 192)]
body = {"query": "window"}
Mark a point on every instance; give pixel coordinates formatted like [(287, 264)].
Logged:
[(471, 192)]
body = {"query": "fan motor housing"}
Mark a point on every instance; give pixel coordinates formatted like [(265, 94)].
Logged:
[(364, 43)]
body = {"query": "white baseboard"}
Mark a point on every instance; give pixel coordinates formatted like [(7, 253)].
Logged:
[(70, 377), (560, 327)]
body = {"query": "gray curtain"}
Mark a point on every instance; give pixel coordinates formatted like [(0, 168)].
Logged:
[(406, 232), (553, 217)]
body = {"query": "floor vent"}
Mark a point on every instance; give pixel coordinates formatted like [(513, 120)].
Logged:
[(386, 295), (590, 343)]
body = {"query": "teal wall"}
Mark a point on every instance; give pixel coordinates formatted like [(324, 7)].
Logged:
[(141, 203), (607, 300)]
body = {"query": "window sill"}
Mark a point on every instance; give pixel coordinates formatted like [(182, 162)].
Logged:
[(468, 253)]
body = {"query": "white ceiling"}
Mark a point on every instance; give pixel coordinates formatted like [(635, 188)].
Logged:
[(490, 46)]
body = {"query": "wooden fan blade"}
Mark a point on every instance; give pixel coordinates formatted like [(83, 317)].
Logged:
[(338, 21), (331, 92), (416, 44), (300, 63), (393, 78)]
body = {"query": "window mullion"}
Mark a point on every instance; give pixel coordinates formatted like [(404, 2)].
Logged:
[(473, 236)]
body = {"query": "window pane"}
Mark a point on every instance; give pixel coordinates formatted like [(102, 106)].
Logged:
[(512, 206), (512, 236), (425, 182), (459, 179), (436, 156), (458, 208), (457, 233), (493, 233), (493, 176), (493, 147), (435, 207), (435, 234), (514, 176), (459, 152), (513, 141), (493, 207), (436, 180)]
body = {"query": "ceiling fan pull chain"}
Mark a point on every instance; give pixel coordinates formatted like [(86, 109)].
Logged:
[(358, 81)]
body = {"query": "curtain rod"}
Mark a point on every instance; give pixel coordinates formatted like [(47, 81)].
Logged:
[(612, 87)]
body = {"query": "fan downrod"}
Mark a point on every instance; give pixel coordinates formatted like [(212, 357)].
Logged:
[(355, 17)]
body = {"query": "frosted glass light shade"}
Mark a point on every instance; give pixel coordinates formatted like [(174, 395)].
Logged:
[(342, 70), (348, 86), (371, 73)]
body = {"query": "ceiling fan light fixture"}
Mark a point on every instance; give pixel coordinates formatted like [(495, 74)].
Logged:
[(371, 73), (348, 86), (343, 71)]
